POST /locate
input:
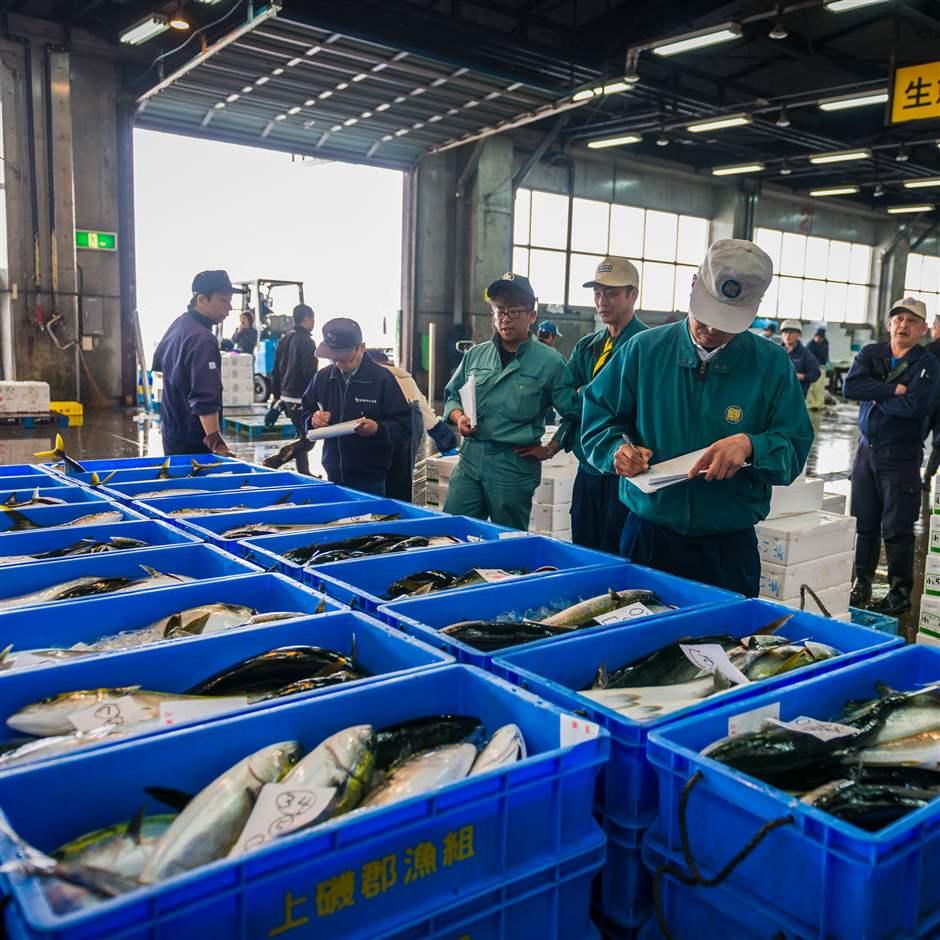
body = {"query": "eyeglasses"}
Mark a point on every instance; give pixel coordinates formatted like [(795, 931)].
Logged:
[(509, 313)]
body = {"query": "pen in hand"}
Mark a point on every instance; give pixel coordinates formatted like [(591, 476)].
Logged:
[(637, 461)]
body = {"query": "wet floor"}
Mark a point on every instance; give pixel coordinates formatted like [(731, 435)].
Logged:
[(128, 434)]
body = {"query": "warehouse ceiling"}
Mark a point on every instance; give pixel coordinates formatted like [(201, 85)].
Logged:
[(385, 81)]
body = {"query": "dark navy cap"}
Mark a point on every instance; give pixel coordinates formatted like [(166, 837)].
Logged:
[(511, 282), (341, 336), (215, 282)]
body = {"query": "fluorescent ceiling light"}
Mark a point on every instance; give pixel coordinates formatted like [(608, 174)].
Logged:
[(738, 168), (614, 141), (280, 117), (697, 40), (841, 156), (616, 87), (922, 183), (583, 95), (262, 80), (611, 88), (719, 123), (350, 121), (145, 29), (903, 210), (835, 191), (843, 6), (382, 107), (843, 102), (294, 110), (232, 97)]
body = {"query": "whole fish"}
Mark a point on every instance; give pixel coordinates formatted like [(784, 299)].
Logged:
[(58, 453), (397, 743), (490, 635), (507, 746), (21, 522), (22, 659), (916, 750), (45, 748), (34, 500), (870, 806), (116, 543), (198, 468), (213, 820), (273, 528), (585, 612), (366, 545), (221, 510), (313, 683), (170, 491), (423, 772)]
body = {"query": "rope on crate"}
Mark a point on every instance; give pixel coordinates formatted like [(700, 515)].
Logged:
[(806, 589)]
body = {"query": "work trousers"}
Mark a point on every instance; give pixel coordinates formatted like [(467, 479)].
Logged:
[(597, 515), (366, 483), (173, 446), (492, 482), (886, 491), (728, 560), (816, 397), (294, 413)]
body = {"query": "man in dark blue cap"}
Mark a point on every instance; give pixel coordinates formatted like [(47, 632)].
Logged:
[(547, 332), (189, 358)]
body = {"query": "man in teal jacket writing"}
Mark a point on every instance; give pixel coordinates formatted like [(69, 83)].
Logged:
[(707, 384)]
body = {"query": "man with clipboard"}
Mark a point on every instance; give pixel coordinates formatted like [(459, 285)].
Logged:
[(703, 383)]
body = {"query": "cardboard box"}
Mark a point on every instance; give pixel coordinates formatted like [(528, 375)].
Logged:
[(791, 540), (781, 582)]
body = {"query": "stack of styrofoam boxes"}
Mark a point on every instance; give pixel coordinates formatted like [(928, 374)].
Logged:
[(24, 398), (551, 502), (928, 626), (439, 470), (800, 544), (238, 380)]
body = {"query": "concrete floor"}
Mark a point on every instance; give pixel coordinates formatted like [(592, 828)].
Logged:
[(126, 434)]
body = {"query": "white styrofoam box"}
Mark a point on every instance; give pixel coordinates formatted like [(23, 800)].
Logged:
[(24, 397), (929, 614), (563, 535), (845, 617), (441, 468), (790, 540), (554, 490), (548, 518), (927, 639), (783, 581), (802, 496), (562, 461), (835, 600), (834, 502), (932, 574), (934, 539)]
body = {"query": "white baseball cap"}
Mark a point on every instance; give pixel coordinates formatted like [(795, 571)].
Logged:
[(730, 285), (791, 325), (614, 271), (909, 305)]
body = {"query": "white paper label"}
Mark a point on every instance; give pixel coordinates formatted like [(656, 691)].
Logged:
[(574, 730), (121, 711), (625, 613), (25, 660), (176, 711), (753, 720), (824, 730), (513, 534), (710, 657), (494, 575), (281, 808)]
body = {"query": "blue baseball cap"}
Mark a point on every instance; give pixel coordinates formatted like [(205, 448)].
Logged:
[(547, 326)]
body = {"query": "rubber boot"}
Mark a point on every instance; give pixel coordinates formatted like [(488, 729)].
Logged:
[(867, 548), (933, 464), (900, 576)]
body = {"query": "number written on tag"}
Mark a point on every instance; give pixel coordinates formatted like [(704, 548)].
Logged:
[(629, 612), (823, 730), (121, 711), (281, 808), (710, 657)]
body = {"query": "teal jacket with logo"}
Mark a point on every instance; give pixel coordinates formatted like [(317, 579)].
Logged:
[(658, 392)]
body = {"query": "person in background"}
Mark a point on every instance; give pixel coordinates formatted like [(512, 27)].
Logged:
[(189, 358), (356, 387), (399, 483), (805, 363), (517, 380), (295, 365), (245, 338), (770, 332), (819, 347), (933, 421), (597, 515), (896, 383), (547, 332), (704, 383)]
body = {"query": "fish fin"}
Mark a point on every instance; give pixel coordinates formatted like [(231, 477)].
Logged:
[(168, 796), (321, 607), (883, 689), (135, 826), (151, 571), (284, 499), (614, 596), (57, 453), (11, 501), (190, 628), (128, 689), (19, 520), (95, 479), (774, 625), (6, 651), (601, 678), (164, 473)]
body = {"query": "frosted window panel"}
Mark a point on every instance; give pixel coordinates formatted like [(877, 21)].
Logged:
[(790, 298), (930, 274), (660, 241), (659, 286), (817, 257), (769, 240), (639, 300), (792, 255), (768, 306), (520, 261), (860, 264), (912, 272), (840, 261), (814, 301), (549, 220), (627, 227), (692, 240), (856, 304), (590, 223), (684, 275), (834, 311), (583, 268), (520, 217), (933, 307), (547, 274)]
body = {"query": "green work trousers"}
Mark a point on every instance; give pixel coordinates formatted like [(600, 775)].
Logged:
[(492, 482)]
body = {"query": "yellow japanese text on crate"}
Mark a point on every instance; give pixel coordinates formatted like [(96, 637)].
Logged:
[(916, 93)]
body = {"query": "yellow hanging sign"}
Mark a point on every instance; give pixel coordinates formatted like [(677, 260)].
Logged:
[(916, 93)]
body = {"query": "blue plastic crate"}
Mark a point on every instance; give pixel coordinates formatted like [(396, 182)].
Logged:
[(848, 882), (243, 482), (234, 500), (31, 481), (88, 620), (176, 472), (21, 470), (68, 494), (46, 517), (108, 464), (200, 562), (868, 618), (557, 669), (484, 832), (382, 651), (211, 528), (623, 891), (425, 616), (268, 550)]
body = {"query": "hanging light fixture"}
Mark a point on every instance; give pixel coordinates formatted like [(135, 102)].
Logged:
[(879, 191), (785, 169), (783, 119), (178, 20), (903, 154), (779, 31)]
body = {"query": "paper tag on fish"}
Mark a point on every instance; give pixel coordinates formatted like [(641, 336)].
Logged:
[(624, 613), (121, 711), (25, 660), (747, 722), (177, 711), (281, 808), (574, 730), (494, 575), (710, 657), (824, 730)]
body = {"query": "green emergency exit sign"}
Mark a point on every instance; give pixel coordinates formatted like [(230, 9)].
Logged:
[(96, 241)]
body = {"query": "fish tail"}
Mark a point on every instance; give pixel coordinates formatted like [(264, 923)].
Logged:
[(20, 521), (56, 454)]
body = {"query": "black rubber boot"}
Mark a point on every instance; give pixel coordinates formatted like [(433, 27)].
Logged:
[(867, 548), (933, 464), (900, 576)]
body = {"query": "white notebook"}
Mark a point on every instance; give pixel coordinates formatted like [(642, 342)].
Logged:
[(667, 473), (343, 429)]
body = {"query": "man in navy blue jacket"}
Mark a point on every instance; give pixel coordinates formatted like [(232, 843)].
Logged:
[(896, 383), (355, 387), (189, 358), (805, 363)]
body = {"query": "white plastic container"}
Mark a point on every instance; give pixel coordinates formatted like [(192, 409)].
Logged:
[(834, 502), (932, 574), (554, 489), (552, 519), (441, 468), (781, 582), (835, 600), (804, 495), (929, 614), (934, 540), (791, 540)]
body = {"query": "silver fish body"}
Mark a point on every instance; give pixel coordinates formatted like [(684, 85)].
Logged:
[(507, 746), (423, 772)]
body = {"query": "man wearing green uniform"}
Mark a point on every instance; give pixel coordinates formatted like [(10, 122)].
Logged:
[(516, 380), (597, 515), (704, 383)]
